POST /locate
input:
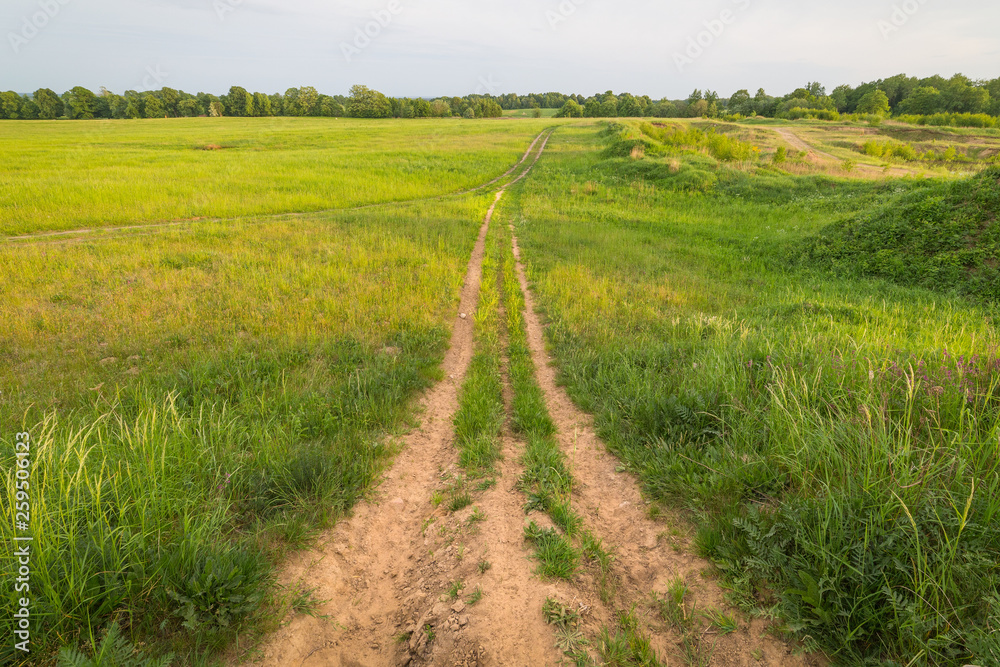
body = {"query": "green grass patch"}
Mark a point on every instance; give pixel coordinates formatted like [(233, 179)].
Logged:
[(833, 435)]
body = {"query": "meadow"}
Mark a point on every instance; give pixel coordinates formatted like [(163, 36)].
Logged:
[(832, 435), (62, 176), (204, 397)]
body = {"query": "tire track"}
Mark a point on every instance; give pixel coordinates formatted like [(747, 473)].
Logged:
[(648, 557), (383, 571)]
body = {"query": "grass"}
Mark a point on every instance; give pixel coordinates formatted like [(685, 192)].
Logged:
[(61, 176), (834, 437), (481, 412), (201, 399)]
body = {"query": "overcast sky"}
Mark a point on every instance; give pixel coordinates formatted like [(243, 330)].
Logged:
[(455, 47)]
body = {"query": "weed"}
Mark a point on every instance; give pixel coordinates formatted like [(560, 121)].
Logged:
[(483, 566), (476, 596), (723, 623), (455, 589), (459, 502), (560, 615), (556, 556)]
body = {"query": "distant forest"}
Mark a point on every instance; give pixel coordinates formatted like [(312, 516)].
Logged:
[(937, 100)]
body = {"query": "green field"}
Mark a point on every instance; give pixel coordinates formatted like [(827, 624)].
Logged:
[(60, 176), (835, 439), (204, 397)]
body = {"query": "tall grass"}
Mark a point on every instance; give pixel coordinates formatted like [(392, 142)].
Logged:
[(204, 399), (835, 439)]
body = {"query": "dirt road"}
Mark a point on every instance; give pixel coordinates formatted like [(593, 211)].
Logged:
[(408, 582)]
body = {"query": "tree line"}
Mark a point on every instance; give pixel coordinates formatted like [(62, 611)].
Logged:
[(897, 95)]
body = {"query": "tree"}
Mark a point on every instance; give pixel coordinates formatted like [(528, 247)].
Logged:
[(925, 100), (49, 104), (215, 109), (741, 103), (238, 102), (469, 113), (698, 109), (840, 95), (154, 107), (592, 108), (440, 109), (876, 103), (571, 109), (262, 105), (82, 103), (367, 103), (10, 105), (421, 108), (171, 99), (628, 106), (190, 108), (609, 108), (308, 101)]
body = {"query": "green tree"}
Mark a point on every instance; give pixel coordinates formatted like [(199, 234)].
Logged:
[(190, 108), (10, 105), (741, 103), (170, 99), (49, 104), (262, 105), (925, 100), (592, 108), (154, 107), (82, 103), (440, 109), (469, 113), (421, 108), (571, 109), (367, 103), (628, 106), (840, 96), (875, 102), (308, 101), (238, 102)]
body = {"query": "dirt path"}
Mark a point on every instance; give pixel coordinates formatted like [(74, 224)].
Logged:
[(821, 158), (649, 554), (74, 234), (386, 572)]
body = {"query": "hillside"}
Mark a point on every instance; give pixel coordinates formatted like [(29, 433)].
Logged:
[(944, 237)]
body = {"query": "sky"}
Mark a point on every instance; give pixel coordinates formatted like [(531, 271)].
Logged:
[(427, 48)]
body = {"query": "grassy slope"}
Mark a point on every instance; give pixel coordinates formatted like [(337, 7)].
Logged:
[(834, 438), (944, 236), (202, 399), (57, 175)]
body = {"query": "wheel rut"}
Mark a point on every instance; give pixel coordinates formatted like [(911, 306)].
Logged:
[(650, 553), (389, 573)]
